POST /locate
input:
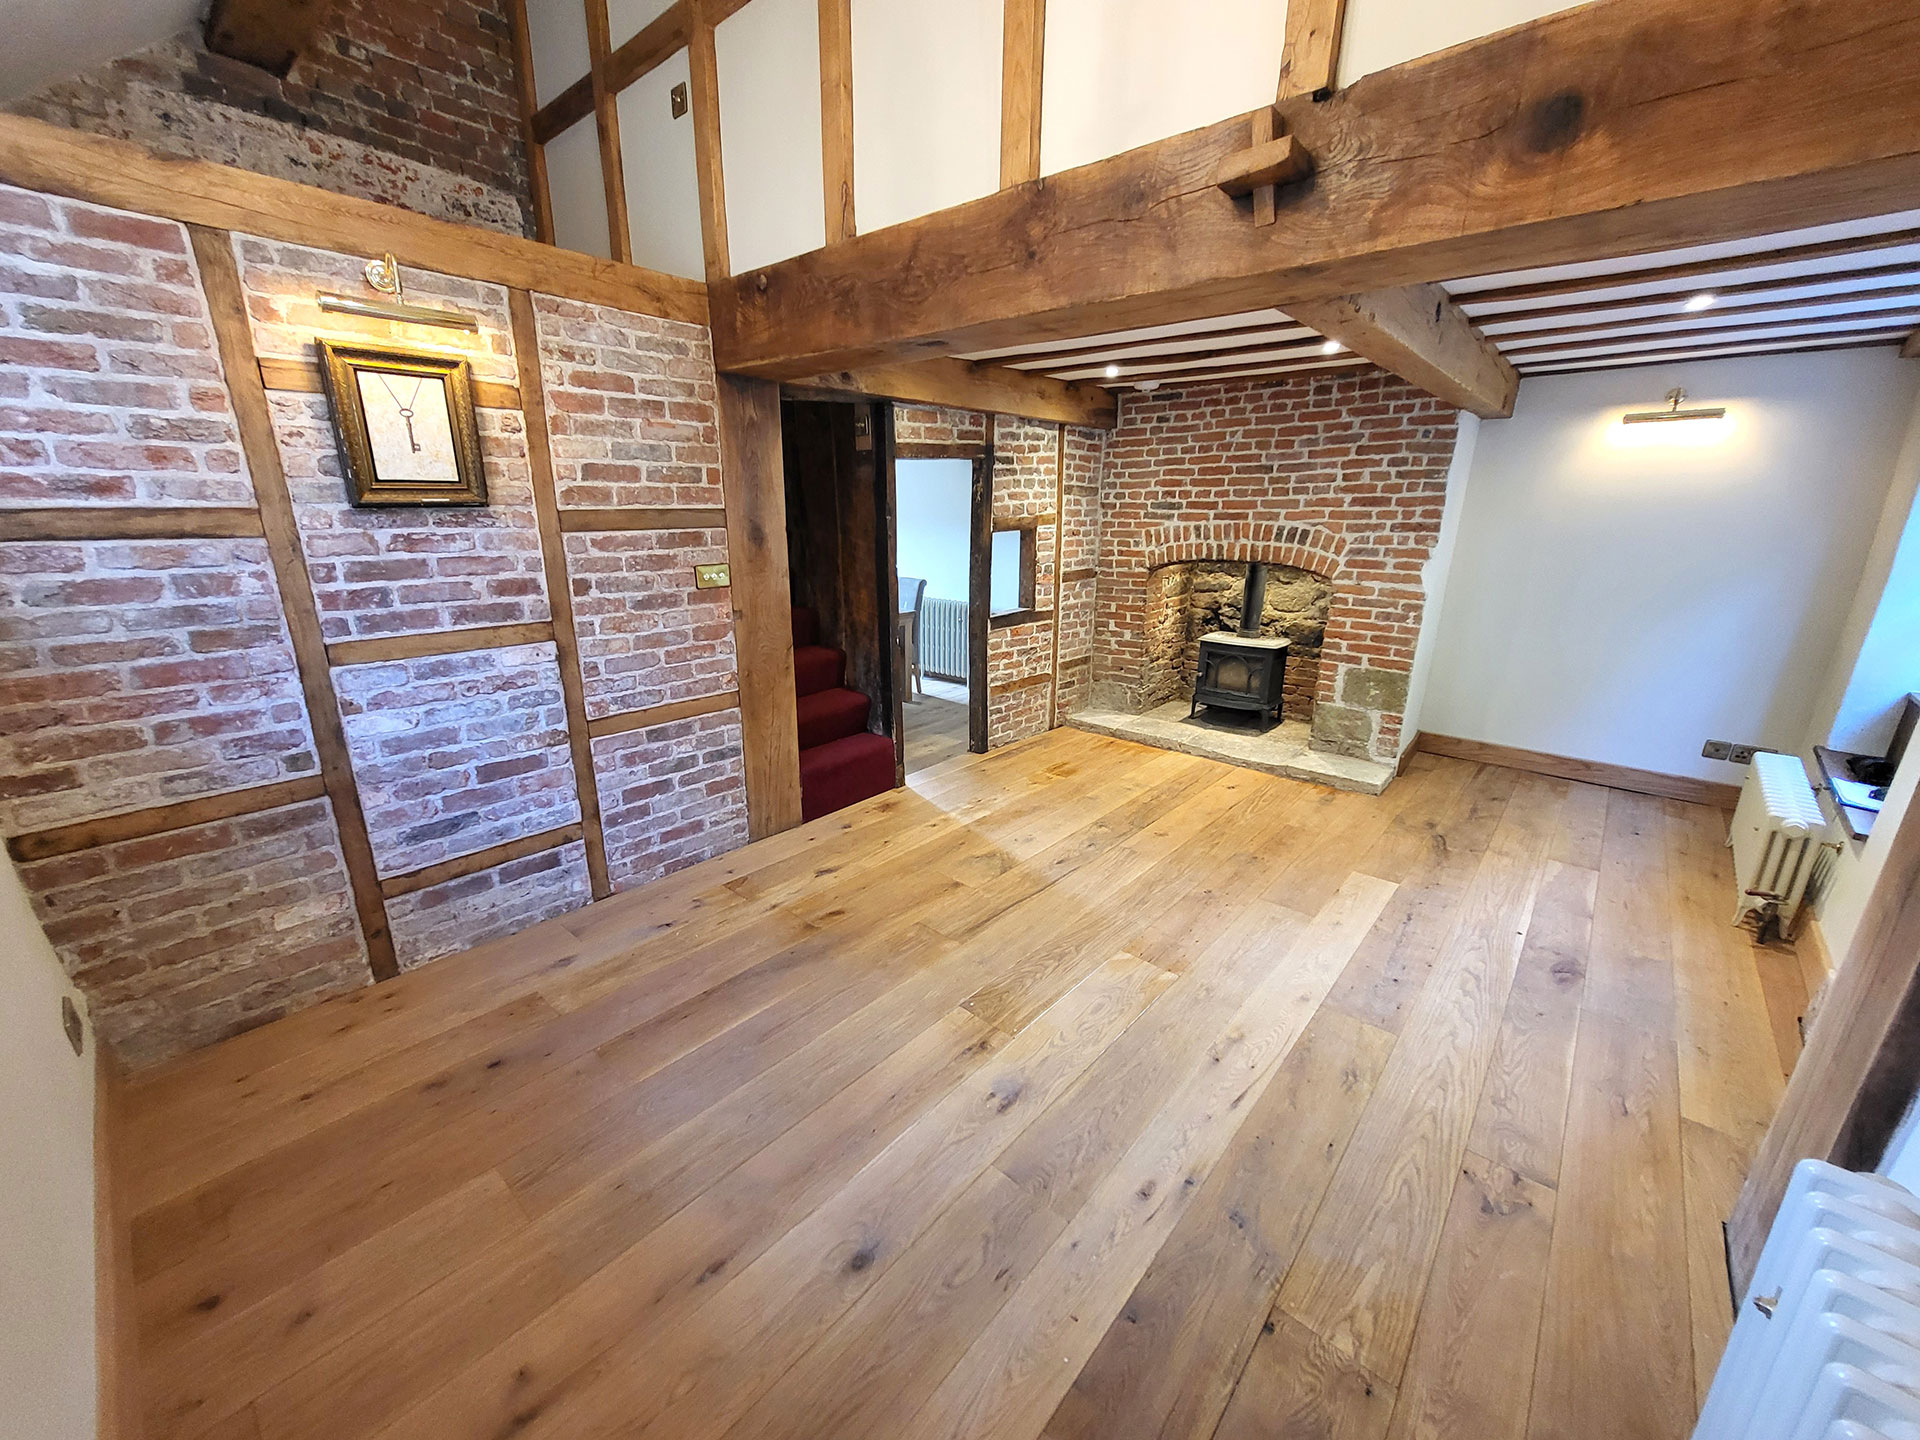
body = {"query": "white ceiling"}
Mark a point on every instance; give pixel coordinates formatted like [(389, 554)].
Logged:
[(1846, 285), (51, 39)]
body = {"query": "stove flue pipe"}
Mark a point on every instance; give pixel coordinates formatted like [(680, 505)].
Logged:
[(1253, 600)]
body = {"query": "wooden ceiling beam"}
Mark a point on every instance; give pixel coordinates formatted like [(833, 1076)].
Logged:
[(1687, 340), (1708, 352), (1900, 270), (1419, 334), (1260, 338), (1717, 316), (1612, 128), (992, 389), (1286, 365), (1693, 269)]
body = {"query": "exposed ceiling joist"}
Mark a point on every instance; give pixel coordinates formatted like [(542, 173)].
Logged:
[(1572, 365), (966, 386), (1549, 143), (1504, 329), (1419, 334)]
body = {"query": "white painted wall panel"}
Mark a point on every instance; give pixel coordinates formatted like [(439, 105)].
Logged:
[(47, 1381), (1383, 33), (663, 183), (578, 192), (1624, 593), (768, 57), (627, 18), (1120, 73), (558, 30), (926, 106)]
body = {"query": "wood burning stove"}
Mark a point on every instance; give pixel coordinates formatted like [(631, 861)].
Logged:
[(1243, 671)]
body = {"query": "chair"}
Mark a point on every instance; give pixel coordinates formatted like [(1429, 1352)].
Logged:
[(907, 635)]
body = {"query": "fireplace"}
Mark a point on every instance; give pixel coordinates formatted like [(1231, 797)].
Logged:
[(1243, 671)]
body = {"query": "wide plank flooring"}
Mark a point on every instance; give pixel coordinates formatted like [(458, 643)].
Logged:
[(1078, 1090)]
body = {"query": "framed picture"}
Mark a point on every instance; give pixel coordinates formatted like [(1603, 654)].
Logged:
[(406, 425)]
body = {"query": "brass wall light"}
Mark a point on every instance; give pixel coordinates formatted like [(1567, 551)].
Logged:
[(384, 276), (1676, 397)]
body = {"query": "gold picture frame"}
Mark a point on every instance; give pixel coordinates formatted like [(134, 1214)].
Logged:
[(406, 424)]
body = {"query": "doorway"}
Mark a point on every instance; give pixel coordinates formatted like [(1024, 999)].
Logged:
[(940, 504)]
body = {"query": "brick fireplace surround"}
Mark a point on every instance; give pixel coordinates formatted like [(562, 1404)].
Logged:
[(1343, 475)]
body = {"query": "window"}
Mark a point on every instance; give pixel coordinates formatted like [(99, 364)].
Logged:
[(1010, 575)]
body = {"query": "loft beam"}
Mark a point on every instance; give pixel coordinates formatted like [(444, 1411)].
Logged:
[(1419, 334), (1618, 127), (993, 389)]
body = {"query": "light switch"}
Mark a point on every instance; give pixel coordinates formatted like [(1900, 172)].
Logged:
[(712, 577)]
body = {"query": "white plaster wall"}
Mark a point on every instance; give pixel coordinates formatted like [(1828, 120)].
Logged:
[(1849, 885), (932, 508), (926, 106), (577, 191), (768, 58), (627, 18), (663, 182), (558, 30), (1624, 593), (47, 1376), (1379, 34), (1435, 577), (1120, 73)]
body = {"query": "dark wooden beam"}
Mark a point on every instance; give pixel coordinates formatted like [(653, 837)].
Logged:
[(1022, 64), (754, 480), (836, 116), (1613, 128), (131, 522), (161, 819), (662, 36), (267, 33), (972, 386), (1417, 333)]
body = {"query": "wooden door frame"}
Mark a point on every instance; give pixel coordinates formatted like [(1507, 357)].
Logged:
[(1860, 1070), (979, 591), (897, 681)]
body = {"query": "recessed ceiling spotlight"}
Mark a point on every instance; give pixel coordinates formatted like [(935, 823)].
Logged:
[(1332, 347), (1703, 301), (1113, 372)]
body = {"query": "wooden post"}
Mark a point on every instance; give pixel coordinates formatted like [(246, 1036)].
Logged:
[(529, 105), (1022, 63), (606, 121), (227, 302), (754, 481), (704, 95), (836, 115), (1311, 59), (553, 560), (980, 591)]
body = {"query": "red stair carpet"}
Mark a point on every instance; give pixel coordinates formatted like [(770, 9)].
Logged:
[(840, 763)]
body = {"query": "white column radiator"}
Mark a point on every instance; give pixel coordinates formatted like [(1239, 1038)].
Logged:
[(1827, 1344), (944, 639), (1777, 830)]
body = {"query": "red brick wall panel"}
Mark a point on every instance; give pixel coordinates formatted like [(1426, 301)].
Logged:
[(185, 938), (630, 407), (459, 914), (647, 636), (458, 753), (112, 392), (140, 673), (671, 795)]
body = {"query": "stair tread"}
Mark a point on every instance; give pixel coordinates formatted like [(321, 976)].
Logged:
[(817, 668), (829, 715)]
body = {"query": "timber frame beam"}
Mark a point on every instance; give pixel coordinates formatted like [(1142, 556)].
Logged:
[(1615, 128), (1419, 334)]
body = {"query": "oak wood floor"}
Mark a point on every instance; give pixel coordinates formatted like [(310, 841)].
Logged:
[(936, 732), (1080, 1090)]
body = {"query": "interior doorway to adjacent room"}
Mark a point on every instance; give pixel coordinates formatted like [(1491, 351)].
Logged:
[(934, 501)]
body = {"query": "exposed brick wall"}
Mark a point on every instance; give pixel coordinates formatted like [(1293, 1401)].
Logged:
[(460, 914), (1026, 458), (182, 939), (937, 425), (401, 571), (1079, 559), (411, 103), (140, 673), (647, 637), (456, 753), (630, 407), (671, 795), (1343, 475), (110, 387)]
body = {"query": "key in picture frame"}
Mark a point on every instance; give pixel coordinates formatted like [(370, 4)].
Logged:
[(406, 425)]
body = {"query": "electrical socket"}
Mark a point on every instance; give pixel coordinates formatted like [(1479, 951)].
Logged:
[(1743, 754), (1716, 750)]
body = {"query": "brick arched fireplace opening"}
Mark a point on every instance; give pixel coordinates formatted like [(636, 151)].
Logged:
[(1356, 633)]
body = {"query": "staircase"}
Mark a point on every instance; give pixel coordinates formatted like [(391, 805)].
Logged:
[(840, 763)]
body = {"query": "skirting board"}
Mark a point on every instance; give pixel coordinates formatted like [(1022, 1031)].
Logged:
[(1563, 767)]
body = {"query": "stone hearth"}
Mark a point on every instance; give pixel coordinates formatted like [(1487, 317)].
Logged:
[(1286, 749)]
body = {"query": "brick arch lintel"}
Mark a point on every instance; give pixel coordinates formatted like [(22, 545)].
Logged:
[(1305, 547)]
